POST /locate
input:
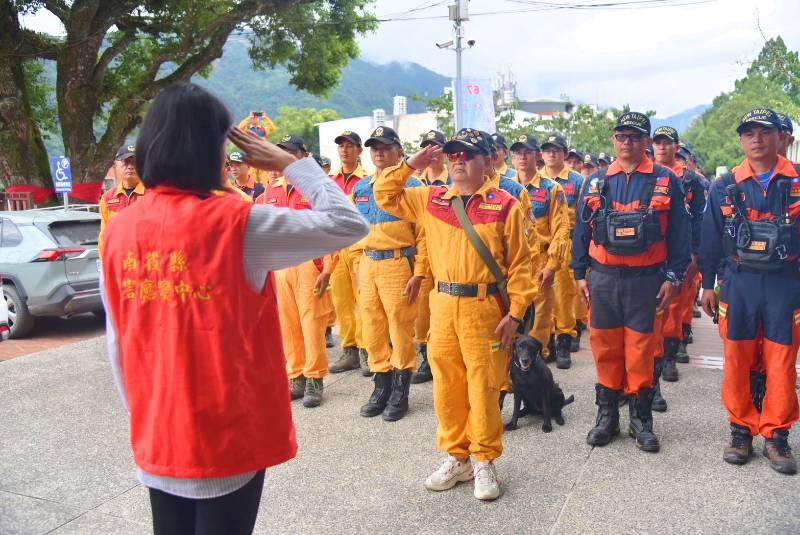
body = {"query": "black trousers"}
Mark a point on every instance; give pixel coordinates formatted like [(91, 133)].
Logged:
[(232, 514)]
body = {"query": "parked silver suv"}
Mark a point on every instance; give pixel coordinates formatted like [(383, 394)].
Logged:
[(48, 265)]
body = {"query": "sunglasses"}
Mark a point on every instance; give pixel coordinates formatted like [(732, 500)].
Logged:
[(461, 156), (633, 138)]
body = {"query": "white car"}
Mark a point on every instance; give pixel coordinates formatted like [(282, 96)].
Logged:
[(5, 331)]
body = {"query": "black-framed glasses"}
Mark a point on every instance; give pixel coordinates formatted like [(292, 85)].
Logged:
[(633, 138)]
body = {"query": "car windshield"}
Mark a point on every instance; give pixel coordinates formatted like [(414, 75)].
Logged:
[(72, 233)]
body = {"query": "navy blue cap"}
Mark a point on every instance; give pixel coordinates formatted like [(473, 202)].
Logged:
[(575, 152), (433, 137), (236, 157), (684, 153), (667, 132), (384, 135), (786, 123), (633, 119), (760, 116), (555, 140), (525, 141), (467, 139), (590, 159), (499, 140), (603, 157), (292, 142), (348, 135), (125, 152)]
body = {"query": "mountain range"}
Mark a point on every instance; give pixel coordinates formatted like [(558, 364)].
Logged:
[(680, 121)]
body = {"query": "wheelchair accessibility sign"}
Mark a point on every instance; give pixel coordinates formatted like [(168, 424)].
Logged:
[(62, 174)]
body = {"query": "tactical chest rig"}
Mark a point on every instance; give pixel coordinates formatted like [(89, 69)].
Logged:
[(765, 245), (625, 233)]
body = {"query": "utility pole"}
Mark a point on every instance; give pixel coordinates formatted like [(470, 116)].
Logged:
[(458, 14)]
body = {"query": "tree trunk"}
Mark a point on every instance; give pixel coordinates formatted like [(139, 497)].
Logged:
[(23, 157)]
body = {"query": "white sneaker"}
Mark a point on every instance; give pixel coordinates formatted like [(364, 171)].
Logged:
[(449, 474), (486, 485)]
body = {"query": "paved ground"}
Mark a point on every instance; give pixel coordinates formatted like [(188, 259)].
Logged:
[(50, 333), (65, 465)]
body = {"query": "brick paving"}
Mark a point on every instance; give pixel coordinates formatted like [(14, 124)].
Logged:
[(51, 333)]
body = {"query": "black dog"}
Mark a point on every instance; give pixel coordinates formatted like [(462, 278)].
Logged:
[(533, 383)]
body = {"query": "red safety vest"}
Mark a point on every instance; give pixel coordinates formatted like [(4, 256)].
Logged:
[(201, 352)]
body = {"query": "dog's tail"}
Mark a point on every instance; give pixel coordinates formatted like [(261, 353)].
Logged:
[(568, 401)]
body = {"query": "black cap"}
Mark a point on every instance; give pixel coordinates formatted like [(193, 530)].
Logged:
[(433, 137), (125, 152), (350, 136), (489, 140), (684, 153), (292, 142), (556, 141), (786, 123), (525, 141), (499, 140), (761, 116), (576, 153), (633, 119), (590, 159), (236, 156), (467, 139), (384, 135), (603, 157), (667, 132)]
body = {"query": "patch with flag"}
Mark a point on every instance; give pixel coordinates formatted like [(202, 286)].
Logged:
[(794, 191)]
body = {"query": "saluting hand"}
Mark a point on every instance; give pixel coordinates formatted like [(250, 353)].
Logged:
[(259, 153), (423, 158), (412, 289)]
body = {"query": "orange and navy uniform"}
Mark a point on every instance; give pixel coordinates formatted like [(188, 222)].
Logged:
[(303, 314), (466, 358), (623, 288), (759, 310), (113, 202)]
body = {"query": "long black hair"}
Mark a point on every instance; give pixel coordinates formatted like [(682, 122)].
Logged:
[(181, 140)]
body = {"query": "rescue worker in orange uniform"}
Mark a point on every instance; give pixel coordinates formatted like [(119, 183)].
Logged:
[(637, 258), (128, 190), (391, 263), (471, 332), (752, 222), (343, 280), (303, 300), (665, 149), (239, 175), (499, 159), (435, 174), (554, 152), (549, 213)]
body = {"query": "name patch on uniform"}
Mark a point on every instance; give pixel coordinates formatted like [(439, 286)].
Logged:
[(795, 190), (272, 200), (539, 196), (623, 232), (569, 188), (758, 246), (113, 201), (487, 206), (661, 189), (362, 199), (440, 201)]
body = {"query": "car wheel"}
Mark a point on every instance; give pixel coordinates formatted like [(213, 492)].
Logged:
[(20, 320)]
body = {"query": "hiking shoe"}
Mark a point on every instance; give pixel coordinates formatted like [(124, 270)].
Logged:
[(487, 487), (777, 450), (741, 447), (449, 474), (348, 361), (329, 343), (312, 397), (363, 358), (297, 386)]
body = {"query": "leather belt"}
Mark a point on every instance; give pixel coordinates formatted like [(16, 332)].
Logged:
[(465, 290), (390, 253)]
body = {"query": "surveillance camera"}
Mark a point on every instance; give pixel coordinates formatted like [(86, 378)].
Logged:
[(445, 44), (471, 43)]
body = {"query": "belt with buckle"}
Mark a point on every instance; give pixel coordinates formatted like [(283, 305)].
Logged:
[(390, 253), (465, 290)]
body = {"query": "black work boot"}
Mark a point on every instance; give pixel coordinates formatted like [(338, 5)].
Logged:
[(741, 447), (563, 359), (641, 424), (348, 361), (312, 397), (551, 349), (758, 388), (688, 338), (363, 357), (575, 344), (670, 370), (397, 406), (297, 387), (380, 395), (423, 373), (777, 450), (607, 423), (659, 403), (329, 343)]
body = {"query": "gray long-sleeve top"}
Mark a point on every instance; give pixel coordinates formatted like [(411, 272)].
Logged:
[(275, 238)]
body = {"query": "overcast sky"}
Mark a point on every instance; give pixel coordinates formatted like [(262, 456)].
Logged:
[(666, 59)]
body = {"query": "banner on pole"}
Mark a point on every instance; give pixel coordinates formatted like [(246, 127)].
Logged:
[(477, 104)]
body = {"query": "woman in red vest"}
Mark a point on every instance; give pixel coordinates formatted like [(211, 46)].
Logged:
[(191, 298)]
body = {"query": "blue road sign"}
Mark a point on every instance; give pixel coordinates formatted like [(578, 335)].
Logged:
[(62, 174)]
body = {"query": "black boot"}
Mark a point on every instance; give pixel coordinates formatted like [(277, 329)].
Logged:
[(551, 350), (641, 424), (670, 370), (363, 358), (397, 407), (575, 344), (659, 403), (607, 423), (329, 343), (423, 373), (688, 337), (758, 388), (380, 395), (563, 360)]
